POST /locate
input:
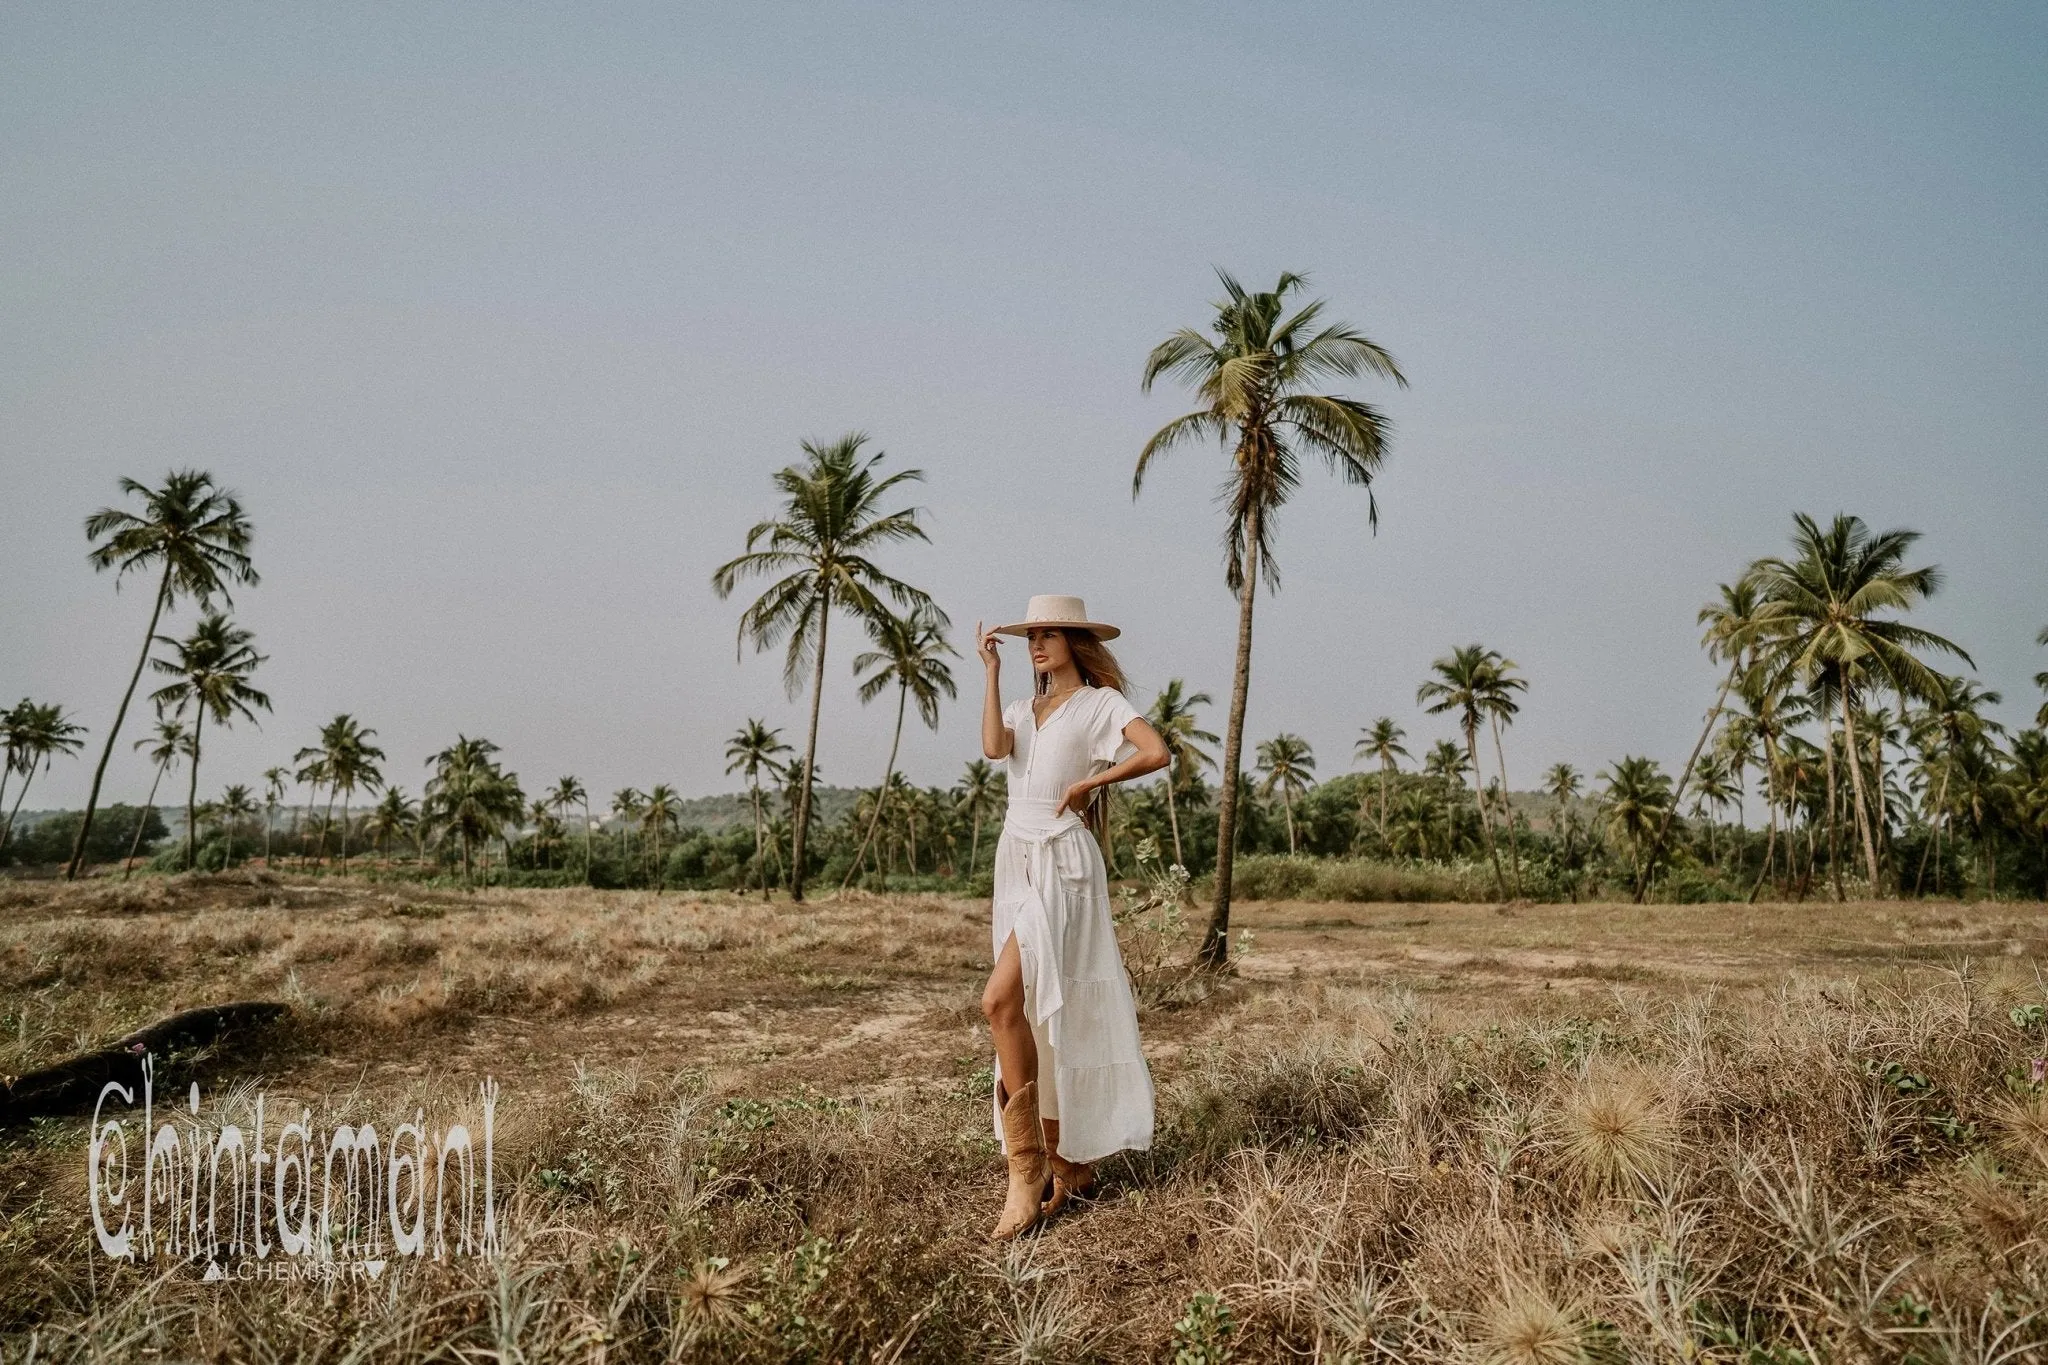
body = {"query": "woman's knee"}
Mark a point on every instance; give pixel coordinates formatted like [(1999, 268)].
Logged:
[(1003, 1002)]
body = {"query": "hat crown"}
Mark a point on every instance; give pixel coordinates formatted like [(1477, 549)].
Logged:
[(1050, 608)]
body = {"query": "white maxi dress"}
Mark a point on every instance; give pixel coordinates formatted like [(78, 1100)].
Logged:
[(1052, 892)]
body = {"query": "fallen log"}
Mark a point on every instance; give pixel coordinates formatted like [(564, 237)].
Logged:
[(72, 1086)]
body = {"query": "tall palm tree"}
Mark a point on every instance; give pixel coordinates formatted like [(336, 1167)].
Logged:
[(817, 550), (210, 669), (396, 815), (756, 750), (627, 803), (909, 652), (1288, 764), (195, 537), (1953, 720), (1713, 791), (569, 792), (1822, 607), (170, 743), (1464, 681), (470, 796), (1563, 783), (235, 804), (275, 782), (1637, 799), (1447, 763), (1173, 717), (348, 761), (13, 725), (980, 788), (1381, 741), (36, 735), (1254, 380), (659, 814), (1497, 701)]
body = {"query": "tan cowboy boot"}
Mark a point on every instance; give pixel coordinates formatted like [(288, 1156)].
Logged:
[(1028, 1170), (1070, 1180)]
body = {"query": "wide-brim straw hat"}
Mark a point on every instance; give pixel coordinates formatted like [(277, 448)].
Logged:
[(1057, 611)]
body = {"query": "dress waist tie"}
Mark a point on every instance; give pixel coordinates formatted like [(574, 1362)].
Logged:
[(1036, 918)]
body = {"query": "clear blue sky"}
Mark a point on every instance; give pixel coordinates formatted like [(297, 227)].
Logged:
[(499, 319)]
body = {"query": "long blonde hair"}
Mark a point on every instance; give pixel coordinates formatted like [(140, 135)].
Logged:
[(1098, 668)]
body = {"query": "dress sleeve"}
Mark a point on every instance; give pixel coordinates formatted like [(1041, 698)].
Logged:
[(1112, 714), (1013, 712)]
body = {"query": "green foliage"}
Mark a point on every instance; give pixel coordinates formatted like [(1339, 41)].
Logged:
[(1280, 877), (1202, 1334), (49, 840)]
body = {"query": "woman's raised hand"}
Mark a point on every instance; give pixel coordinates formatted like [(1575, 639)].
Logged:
[(985, 644)]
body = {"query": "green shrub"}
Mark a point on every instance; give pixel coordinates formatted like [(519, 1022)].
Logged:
[(1271, 877)]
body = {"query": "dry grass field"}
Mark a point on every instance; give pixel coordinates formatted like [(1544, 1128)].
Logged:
[(730, 1130)]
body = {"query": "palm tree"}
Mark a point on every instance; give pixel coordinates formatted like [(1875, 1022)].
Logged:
[(657, 815), (13, 725), (908, 652), (1447, 763), (1253, 380), (569, 792), (1464, 681), (1173, 717), (470, 796), (1713, 790), (1821, 607), (235, 804), (819, 546), (275, 782), (1497, 701), (36, 734), (170, 742), (1287, 763), (347, 760), (196, 538), (212, 667), (1382, 741), (1952, 721), (980, 787), (1637, 800), (753, 751), (394, 816), (627, 803), (1562, 783)]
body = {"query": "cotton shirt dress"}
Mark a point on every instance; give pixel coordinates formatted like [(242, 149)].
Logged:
[(1052, 892)]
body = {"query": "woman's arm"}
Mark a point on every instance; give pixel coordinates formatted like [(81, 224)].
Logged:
[(996, 738), (1150, 758)]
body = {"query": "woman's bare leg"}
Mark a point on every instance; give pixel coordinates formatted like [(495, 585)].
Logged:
[(1002, 1004)]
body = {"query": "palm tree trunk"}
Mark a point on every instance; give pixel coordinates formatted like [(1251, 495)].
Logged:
[(1172, 820), (1933, 831), (1834, 809), (1216, 939), (1862, 806), (881, 792), (586, 843), (1500, 884), (1383, 803), (802, 831), (1508, 807), (7, 831), (99, 774), (760, 856), (269, 818), (1692, 760), (192, 794), (6, 771), (142, 824), (1287, 805), (1771, 810), (346, 792)]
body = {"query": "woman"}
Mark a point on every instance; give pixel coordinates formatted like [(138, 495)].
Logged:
[(1071, 1084)]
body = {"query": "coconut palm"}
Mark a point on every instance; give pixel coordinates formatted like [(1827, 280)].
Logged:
[(627, 803), (1288, 765), (1734, 625), (36, 735), (1173, 717), (349, 761), (981, 786), (1713, 791), (13, 724), (211, 669), (1636, 802), (195, 538), (1563, 783), (755, 751), (909, 652), (659, 815), (1253, 379), (819, 547), (569, 792), (1497, 701), (1381, 741), (1447, 763), (275, 783), (470, 796), (1822, 608), (1465, 682), (235, 804), (1951, 721), (170, 743), (396, 816)]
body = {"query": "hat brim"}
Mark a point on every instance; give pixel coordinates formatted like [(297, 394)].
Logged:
[(1100, 630)]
